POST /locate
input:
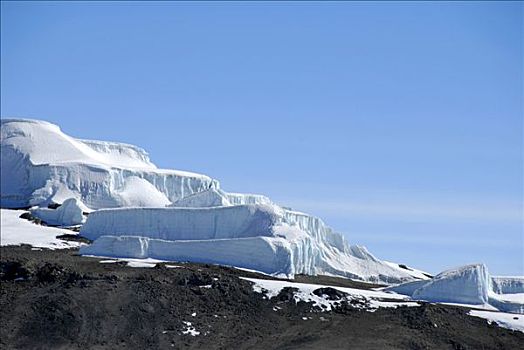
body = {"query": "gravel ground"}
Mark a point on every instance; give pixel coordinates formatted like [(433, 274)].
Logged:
[(59, 300)]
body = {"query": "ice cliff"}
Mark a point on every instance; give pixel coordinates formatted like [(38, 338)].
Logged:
[(507, 285), (470, 284), (273, 240), (143, 211)]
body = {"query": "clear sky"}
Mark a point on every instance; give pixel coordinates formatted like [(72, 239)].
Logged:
[(400, 124)]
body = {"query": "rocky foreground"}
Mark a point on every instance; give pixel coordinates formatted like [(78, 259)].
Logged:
[(55, 299)]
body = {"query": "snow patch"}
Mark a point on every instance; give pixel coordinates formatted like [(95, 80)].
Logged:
[(503, 319), (190, 330), (140, 264), (173, 266), (366, 299)]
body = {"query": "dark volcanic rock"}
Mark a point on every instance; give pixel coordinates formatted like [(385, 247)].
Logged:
[(50, 272), (34, 219), (287, 294), (13, 270), (74, 237), (330, 293), (402, 266)]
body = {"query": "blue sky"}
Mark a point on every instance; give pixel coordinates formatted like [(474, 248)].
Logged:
[(400, 124)]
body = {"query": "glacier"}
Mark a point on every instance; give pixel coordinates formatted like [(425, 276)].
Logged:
[(140, 210), (42, 165), (255, 234), (469, 284)]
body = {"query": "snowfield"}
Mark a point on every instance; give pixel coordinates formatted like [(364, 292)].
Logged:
[(16, 231)]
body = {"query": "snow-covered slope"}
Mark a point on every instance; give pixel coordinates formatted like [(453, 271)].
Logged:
[(16, 231), (470, 284), (35, 139), (42, 165), (414, 272)]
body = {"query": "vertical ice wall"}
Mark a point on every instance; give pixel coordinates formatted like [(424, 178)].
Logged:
[(470, 284), (262, 234), (508, 285)]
